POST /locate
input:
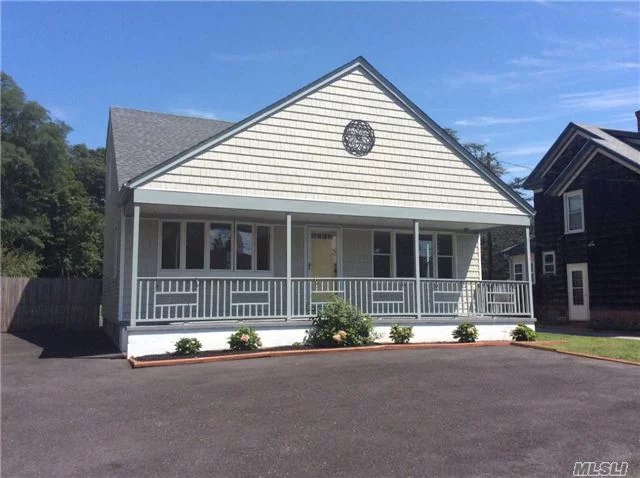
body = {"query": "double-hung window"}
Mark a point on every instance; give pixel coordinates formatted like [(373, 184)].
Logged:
[(445, 256), (381, 254), (549, 262), (573, 212), (394, 254), (216, 246), (220, 245), (170, 249), (518, 271)]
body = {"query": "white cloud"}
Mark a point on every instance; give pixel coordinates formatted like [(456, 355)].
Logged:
[(493, 120), (627, 13), (59, 113), (264, 56), (601, 100), (529, 61), (195, 112)]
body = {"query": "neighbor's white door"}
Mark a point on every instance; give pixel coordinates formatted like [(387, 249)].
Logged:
[(578, 288)]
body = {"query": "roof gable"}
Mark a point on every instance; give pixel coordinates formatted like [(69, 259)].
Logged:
[(362, 66), (620, 146)]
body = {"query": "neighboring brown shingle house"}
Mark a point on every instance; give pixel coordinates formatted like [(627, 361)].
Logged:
[(587, 201)]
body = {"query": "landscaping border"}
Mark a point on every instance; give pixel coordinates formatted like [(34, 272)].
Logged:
[(281, 353), (547, 346)]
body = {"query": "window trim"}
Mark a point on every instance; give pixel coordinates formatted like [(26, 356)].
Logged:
[(181, 270), (522, 263), (434, 239), (566, 196), (544, 264)]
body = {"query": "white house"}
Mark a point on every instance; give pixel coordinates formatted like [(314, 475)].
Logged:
[(345, 187)]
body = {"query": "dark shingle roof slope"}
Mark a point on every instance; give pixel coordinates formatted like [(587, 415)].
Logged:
[(143, 139)]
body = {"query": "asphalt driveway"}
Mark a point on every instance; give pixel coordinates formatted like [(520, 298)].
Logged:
[(494, 411)]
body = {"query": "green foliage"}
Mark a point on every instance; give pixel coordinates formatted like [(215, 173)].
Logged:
[(19, 263), (400, 334), (340, 324), (495, 266), (522, 333), (246, 338), (46, 210), (466, 332), (188, 346)]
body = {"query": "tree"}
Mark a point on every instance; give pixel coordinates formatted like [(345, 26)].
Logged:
[(494, 264), (49, 219)]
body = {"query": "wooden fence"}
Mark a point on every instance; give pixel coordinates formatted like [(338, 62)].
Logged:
[(29, 304)]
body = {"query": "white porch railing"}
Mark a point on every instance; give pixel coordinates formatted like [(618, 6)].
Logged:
[(180, 299)]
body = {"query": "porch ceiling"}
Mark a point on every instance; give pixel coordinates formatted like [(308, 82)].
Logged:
[(207, 213)]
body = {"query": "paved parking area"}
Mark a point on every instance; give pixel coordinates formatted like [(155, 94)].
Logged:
[(494, 411)]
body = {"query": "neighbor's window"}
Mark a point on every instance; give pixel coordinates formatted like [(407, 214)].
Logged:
[(573, 212), (220, 245), (381, 254), (426, 255), (195, 245), (263, 248), (549, 262), (445, 256), (170, 245), (518, 271)]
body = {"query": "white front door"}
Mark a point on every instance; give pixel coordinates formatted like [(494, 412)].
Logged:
[(578, 289)]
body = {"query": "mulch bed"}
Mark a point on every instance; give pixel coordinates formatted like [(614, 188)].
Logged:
[(167, 359), (215, 353)]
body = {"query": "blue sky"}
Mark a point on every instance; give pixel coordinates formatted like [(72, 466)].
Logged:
[(509, 75)]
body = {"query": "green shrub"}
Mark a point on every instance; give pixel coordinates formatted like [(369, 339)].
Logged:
[(246, 338), (340, 324), (466, 332), (400, 334), (522, 333), (188, 346)]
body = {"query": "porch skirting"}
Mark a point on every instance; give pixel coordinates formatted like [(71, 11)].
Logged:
[(158, 339)]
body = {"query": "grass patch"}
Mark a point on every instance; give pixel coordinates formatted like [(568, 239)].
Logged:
[(601, 346)]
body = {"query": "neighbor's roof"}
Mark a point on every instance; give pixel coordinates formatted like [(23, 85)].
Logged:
[(620, 142), (519, 248), (624, 145), (142, 139)]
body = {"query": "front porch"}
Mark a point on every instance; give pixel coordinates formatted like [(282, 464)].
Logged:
[(192, 299), (198, 267)]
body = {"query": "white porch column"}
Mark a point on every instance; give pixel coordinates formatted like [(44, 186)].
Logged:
[(528, 269), (416, 253), (134, 264), (121, 263), (289, 294)]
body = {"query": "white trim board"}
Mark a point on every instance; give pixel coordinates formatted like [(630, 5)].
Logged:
[(225, 201)]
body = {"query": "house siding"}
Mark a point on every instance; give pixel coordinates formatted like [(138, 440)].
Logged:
[(609, 244), (468, 265), (297, 153), (111, 233)]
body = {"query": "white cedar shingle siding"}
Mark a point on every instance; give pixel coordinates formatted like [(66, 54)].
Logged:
[(297, 153), (467, 257)]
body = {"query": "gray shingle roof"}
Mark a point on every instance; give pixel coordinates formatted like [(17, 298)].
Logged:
[(143, 139), (619, 142)]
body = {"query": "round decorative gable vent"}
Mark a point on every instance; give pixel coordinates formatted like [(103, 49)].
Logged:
[(358, 138)]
